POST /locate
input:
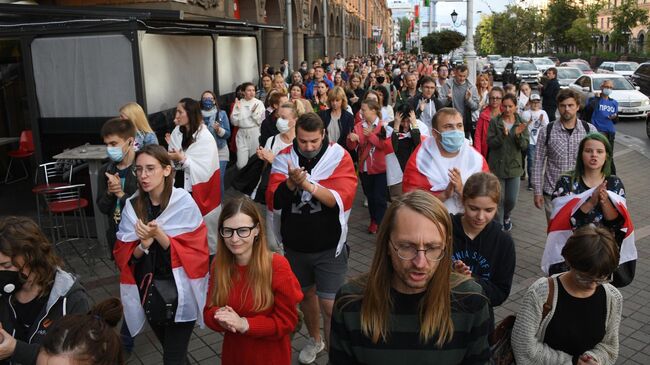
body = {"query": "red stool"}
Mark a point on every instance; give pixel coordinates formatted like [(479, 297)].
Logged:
[(55, 174), (25, 151)]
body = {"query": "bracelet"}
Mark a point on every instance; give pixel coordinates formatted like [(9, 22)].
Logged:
[(143, 249), (314, 189)]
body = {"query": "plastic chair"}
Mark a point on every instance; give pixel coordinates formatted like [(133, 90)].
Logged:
[(25, 151), (67, 199), (55, 174)]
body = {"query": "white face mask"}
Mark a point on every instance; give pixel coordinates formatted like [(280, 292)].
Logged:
[(282, 125)]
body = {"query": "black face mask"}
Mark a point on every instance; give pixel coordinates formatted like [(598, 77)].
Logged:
[(381, 79), (10, 282)]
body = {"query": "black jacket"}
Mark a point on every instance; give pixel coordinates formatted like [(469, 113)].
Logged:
[(268, 128), (404, 147), (490, 256), (414, 102), (67, 296), (549, 94), (346, 124), (106, 202)]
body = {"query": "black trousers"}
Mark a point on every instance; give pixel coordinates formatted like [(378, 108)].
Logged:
[(174, 338), (374, 186)]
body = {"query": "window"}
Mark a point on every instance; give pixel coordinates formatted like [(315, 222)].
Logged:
[(608, 20), (602, 20)]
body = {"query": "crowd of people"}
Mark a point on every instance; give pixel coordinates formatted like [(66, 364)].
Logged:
[(439, 161)]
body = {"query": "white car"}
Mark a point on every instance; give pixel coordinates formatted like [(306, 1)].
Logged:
[(622, 68), (543, 63), (631, 102)]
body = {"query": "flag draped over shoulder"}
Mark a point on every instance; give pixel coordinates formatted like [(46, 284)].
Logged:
[(427, 169), (204, 176), (183, 224), (560, 229), (394, 173), (334, 172)]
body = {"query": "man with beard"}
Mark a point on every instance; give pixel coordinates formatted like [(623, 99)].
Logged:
[(557, 148)]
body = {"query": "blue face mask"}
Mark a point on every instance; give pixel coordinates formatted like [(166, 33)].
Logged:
[(607, 91), (115, 153), (452, 141), (207, 104)]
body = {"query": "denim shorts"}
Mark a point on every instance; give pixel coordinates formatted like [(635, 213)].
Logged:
[(320, 268)]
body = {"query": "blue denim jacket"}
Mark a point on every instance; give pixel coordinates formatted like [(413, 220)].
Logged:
[(225, 124)]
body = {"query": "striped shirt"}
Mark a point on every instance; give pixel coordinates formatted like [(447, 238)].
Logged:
[(559, 155), (469, 344)]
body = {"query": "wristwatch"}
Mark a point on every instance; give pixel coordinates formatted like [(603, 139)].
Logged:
[(143, 249)]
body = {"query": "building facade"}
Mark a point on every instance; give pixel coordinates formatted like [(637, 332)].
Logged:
[(637, 36), (319, 27)]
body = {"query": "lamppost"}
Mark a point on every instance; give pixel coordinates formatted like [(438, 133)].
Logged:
[(454, 17), (627, 34)]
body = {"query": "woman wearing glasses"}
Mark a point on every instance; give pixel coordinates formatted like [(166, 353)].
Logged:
[(253, 294), (162, 254), (581, 324)]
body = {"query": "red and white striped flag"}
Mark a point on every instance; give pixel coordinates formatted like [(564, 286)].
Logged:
[(394, 173), (334, 172), (205, 178), (183, 224), (428, 170), (560, 229)]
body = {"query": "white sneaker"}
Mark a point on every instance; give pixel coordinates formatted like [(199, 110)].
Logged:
[(365, 202), (310, 351)]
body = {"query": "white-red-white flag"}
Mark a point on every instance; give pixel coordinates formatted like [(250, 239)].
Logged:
[(334, 171), (182, 222), (560, 229), (202, 156), (428, 170)]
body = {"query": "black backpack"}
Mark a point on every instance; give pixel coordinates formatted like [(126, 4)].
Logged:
[(549, 126)]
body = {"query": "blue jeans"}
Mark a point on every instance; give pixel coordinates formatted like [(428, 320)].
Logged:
[(530, 161), (509, 193), (222, 170), (374, 186)]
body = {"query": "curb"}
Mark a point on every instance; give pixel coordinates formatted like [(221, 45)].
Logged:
[(633, 143)]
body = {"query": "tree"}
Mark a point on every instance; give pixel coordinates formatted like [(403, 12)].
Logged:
[(560, 15), (580, 34), (404, 25), (515, 30), (625, 17), (483, 37), (442, 42)]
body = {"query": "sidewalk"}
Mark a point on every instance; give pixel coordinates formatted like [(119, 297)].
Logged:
[(529, 236)]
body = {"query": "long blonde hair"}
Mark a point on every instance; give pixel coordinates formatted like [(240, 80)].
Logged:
[(260, 267), (136, 114), (435, 307)]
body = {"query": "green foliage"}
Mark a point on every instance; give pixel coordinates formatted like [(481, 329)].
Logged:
[(625, 17), (414, 51), (513, 31), (483, 37), (560, 15), (580, 34), (404, 24), (442, 42)]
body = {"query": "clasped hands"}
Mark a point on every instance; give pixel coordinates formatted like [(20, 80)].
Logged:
[(114, 184), (148, 232), (298, 178), (230, 320), (455, 184)]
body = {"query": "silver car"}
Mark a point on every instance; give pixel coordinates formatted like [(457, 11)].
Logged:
[(631, 102)]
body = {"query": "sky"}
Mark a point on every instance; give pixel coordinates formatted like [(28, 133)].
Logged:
[(444, 10)]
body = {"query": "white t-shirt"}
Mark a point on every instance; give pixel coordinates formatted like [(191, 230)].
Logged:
[(278, 145), (536, 125)]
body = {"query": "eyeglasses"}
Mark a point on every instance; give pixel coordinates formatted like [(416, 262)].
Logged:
[(148, 170), (408, 252), (242, 232), (495, 98), (584, 279)]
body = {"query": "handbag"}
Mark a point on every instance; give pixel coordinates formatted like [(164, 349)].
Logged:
[(159, 299), (248, 177), (500, 338), (260, 193)]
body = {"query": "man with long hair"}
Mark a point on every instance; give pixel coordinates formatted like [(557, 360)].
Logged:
[(410, 308)]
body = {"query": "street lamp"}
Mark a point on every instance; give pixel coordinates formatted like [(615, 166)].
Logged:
[(454, 17)]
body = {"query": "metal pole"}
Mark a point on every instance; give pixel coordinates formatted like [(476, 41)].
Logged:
[(289, 35), (470, 54), (343, 37), (325, 17), (432, 16)]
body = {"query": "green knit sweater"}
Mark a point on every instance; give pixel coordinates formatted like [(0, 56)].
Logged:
[(469, 345)]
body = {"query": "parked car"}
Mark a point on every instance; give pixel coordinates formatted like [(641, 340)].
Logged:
[(580, 65), (622, 68), (497, 69), (543, 63), (579, 60), (555, 60), (631, 102), (493, 57), (521, 71), (565, 75), (641, 78)]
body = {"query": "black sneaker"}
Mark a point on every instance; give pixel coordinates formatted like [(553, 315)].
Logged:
[(529, 188)]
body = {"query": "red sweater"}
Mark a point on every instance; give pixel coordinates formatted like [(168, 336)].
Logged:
[(371, 149), (267, 339), (480, 136)]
